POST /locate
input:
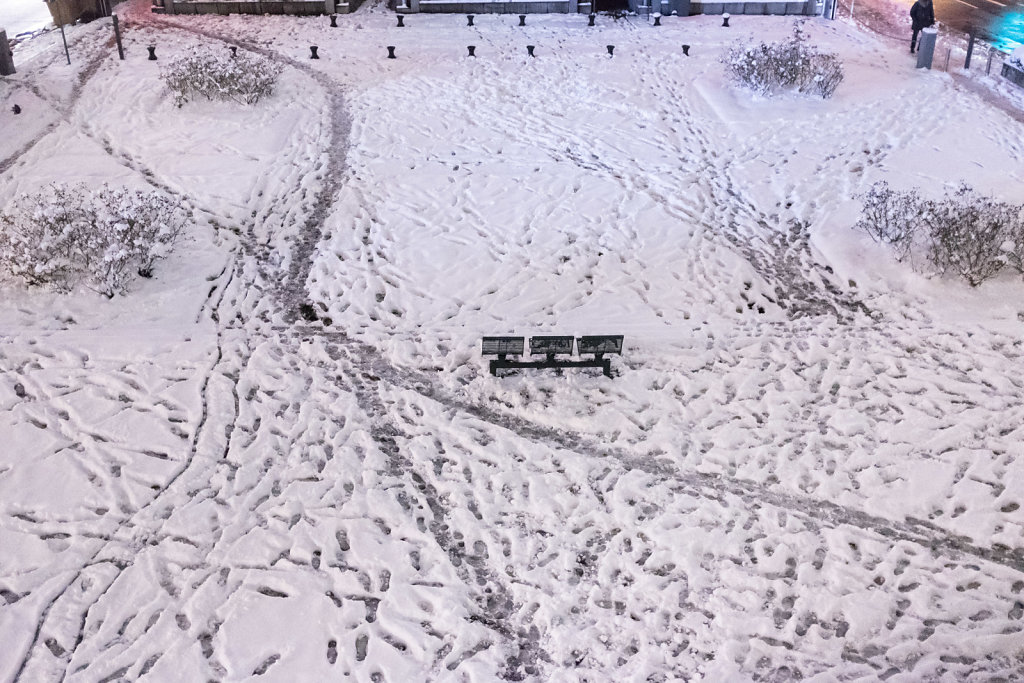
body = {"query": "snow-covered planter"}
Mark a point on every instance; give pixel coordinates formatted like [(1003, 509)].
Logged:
[(1013, 68), (769, 68), (968, 235), (244, 78), (65, 236)]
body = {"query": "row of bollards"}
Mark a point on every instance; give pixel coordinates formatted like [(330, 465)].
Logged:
[(522, 20), (313, 51), (470, 48)]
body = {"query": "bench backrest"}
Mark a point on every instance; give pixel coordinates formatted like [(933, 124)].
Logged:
[(502, 346), (600, 344), (551, 345)]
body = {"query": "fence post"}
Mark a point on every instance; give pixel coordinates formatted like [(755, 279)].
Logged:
[(988, 67), (6, 59), (970, 50)]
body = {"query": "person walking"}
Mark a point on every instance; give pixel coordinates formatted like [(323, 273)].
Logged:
[(922, 15)]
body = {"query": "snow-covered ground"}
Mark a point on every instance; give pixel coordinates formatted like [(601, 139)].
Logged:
[(808, 465), (23, 16)]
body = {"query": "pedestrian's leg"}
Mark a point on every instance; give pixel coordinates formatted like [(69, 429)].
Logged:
[(913, 40)]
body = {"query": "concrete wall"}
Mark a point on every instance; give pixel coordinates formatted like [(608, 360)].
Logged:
[(66, 12), (485, 7), (777, 7), (683, 8), (293, 7)]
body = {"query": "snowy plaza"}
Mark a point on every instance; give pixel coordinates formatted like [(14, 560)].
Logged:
[(282, 458)]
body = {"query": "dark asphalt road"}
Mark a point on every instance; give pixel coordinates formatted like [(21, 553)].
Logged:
[(998, 21)]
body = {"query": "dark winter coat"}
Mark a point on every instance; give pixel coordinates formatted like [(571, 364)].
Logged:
[(922, 14)]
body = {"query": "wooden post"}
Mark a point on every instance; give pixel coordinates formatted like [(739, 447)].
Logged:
[(6, 59), (117, 37)]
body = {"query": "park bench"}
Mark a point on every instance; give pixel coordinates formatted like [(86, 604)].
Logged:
[(556, 350)]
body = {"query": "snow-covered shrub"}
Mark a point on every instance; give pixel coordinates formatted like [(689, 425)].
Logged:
[(40, 239), (244, 78), (767, 68), (968, 234), (964, 233), (892, 217), (824, 76), (147, 223), (65, 236)]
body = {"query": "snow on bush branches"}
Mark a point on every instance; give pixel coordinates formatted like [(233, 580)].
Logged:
[(965, 234), (243, 78), (770, 67), (65, 236)]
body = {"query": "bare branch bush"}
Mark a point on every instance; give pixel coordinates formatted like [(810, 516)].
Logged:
[(968, 232), (768, 68), (824, 75), (65, 236), (964, 234), (39, 237), (892, 217), (245, 78)]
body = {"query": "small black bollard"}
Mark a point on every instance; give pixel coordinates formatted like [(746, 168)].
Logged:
[(312, 52), (391, 52), (401, 20), (657, 20), (472, 50), (152, 53), (970, 50), (234, 50), (725, 20), (611, 50), (591, 18), (529, 50), (469, 20), (16, 109), (522, 20), (334, 21), (686, 49)]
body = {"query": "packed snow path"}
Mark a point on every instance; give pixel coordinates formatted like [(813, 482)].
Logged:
[(793, 474)]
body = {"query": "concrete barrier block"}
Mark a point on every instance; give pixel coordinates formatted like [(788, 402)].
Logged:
[(1013, 74), (754, 8)]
